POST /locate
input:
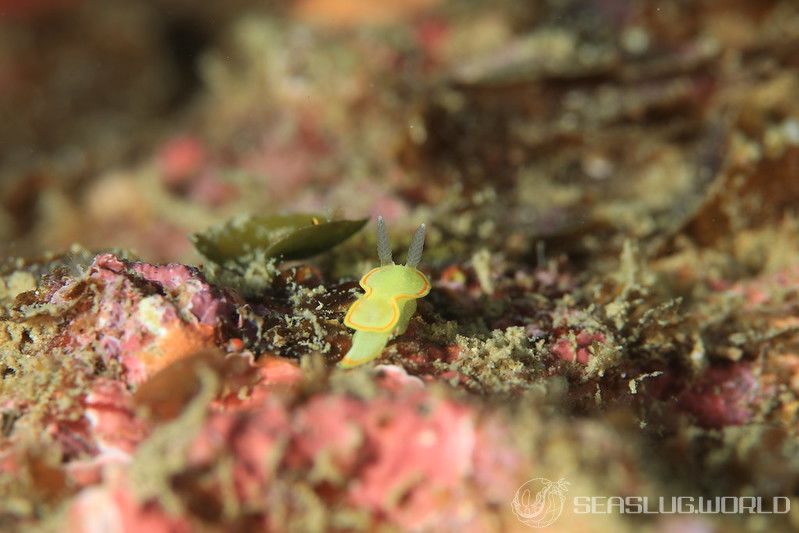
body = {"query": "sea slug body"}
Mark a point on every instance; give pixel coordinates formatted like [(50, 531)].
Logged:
[(389, 302)]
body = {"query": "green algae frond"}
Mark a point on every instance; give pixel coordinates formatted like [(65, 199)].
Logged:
[(286, 237)]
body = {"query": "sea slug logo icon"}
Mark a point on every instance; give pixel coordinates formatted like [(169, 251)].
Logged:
[(539, 502)]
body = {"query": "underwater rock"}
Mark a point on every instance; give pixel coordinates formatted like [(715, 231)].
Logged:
[(146, 316)]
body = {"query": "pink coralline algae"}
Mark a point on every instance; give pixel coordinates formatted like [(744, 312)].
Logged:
[(395, 378), (111, 414), (259, 380), (186, 170), (114, 508), (722, 396), (421, 460), (180, 160), (406, 457), (104, 437), (577, 349), (144, 316)]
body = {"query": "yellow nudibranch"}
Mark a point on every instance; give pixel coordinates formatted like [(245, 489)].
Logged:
[(389, 302)]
